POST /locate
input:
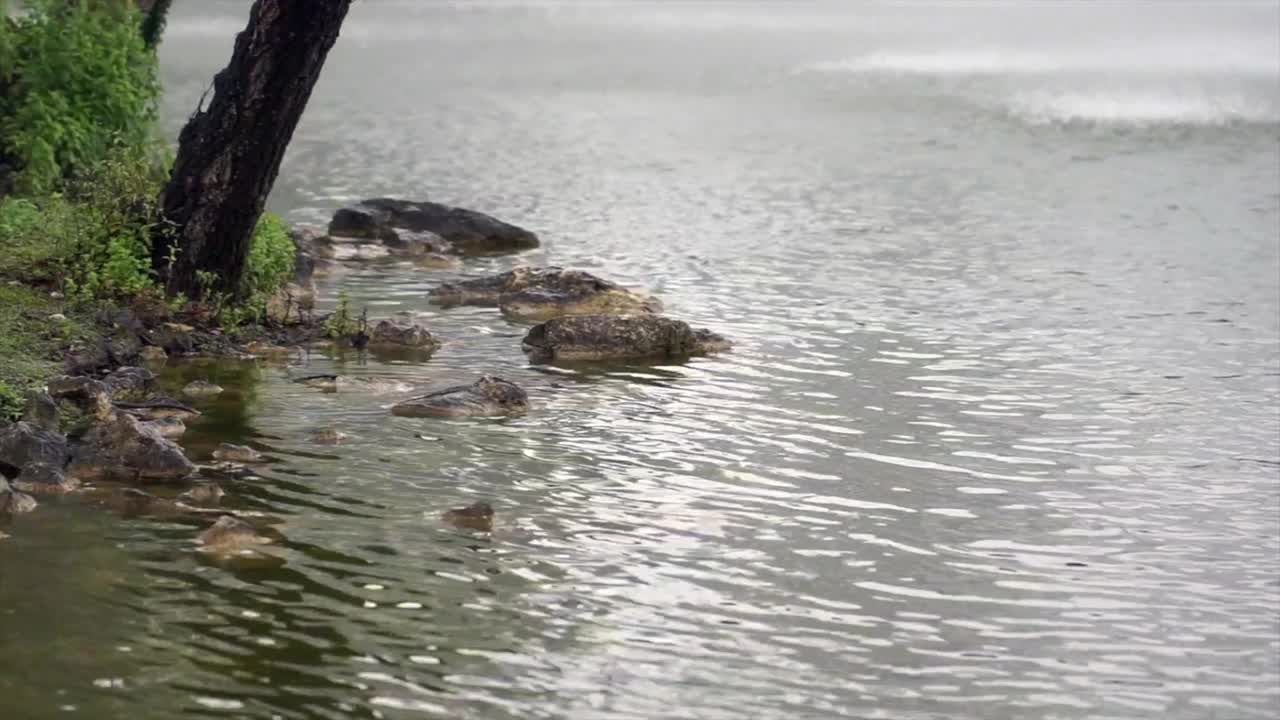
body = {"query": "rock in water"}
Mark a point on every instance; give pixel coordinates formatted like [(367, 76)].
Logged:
[(201, 388), (487, 397), (388, 334), (437, 261), (40, 478), (231, 534), (572, 292), (326, 436), (615, 337), (121, 447), (485, 291), (132, 501), (322, 382), (203, 494), (544, 293), (13, 502), (467, 232), (476, 516), (237, 454)]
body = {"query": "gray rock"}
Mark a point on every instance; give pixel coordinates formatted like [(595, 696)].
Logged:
[(77, 388), (125, 448), (42, 411), (487, 397), (13, 502), (201, 388), (23, 443), (387, 333), (237, 454), (40, 478), (535, 294), (467, 232), (614, 337), (129, 382), (173, 338), (231, 534)]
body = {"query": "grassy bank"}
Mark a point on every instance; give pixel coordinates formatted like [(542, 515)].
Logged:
[(81, 170), (32, 345)]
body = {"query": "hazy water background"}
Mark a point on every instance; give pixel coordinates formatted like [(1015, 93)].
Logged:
[(1000, 438)]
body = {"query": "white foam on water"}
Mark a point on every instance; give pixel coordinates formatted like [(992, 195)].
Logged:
[(1142, 108), (997, 61)]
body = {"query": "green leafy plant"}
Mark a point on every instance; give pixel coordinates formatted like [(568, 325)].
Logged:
[(341, 323), (76, 80), (12, 401), (270, 262), (93, 240)]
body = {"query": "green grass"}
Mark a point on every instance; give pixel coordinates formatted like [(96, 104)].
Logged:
[(32, 347)]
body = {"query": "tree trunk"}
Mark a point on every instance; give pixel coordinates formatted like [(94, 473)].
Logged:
[(154, 13), (229, 153)]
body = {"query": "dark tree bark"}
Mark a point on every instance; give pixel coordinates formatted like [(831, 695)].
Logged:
[(229, 153), (154, 12)]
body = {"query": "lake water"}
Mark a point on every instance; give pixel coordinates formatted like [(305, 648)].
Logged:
[(1000, 437)]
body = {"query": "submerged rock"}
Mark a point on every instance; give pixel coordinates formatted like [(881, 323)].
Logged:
[(231, 534), (476, 516), (122, 447), (487, 397), (326, 436), (485, 291), (153, 354), (227, 452), (573, 293), (13, 502), (613, 337), (466, 232), (203, 494), (132, 501), (544, 293), (201, 388), (437, 261), (389, 334), (374, 385), (322, 382), (268, 350)]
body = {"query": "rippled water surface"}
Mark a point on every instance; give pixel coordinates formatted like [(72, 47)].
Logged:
[(999, 439)]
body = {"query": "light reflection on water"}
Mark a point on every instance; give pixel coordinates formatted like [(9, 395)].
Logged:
[(998, 438)]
